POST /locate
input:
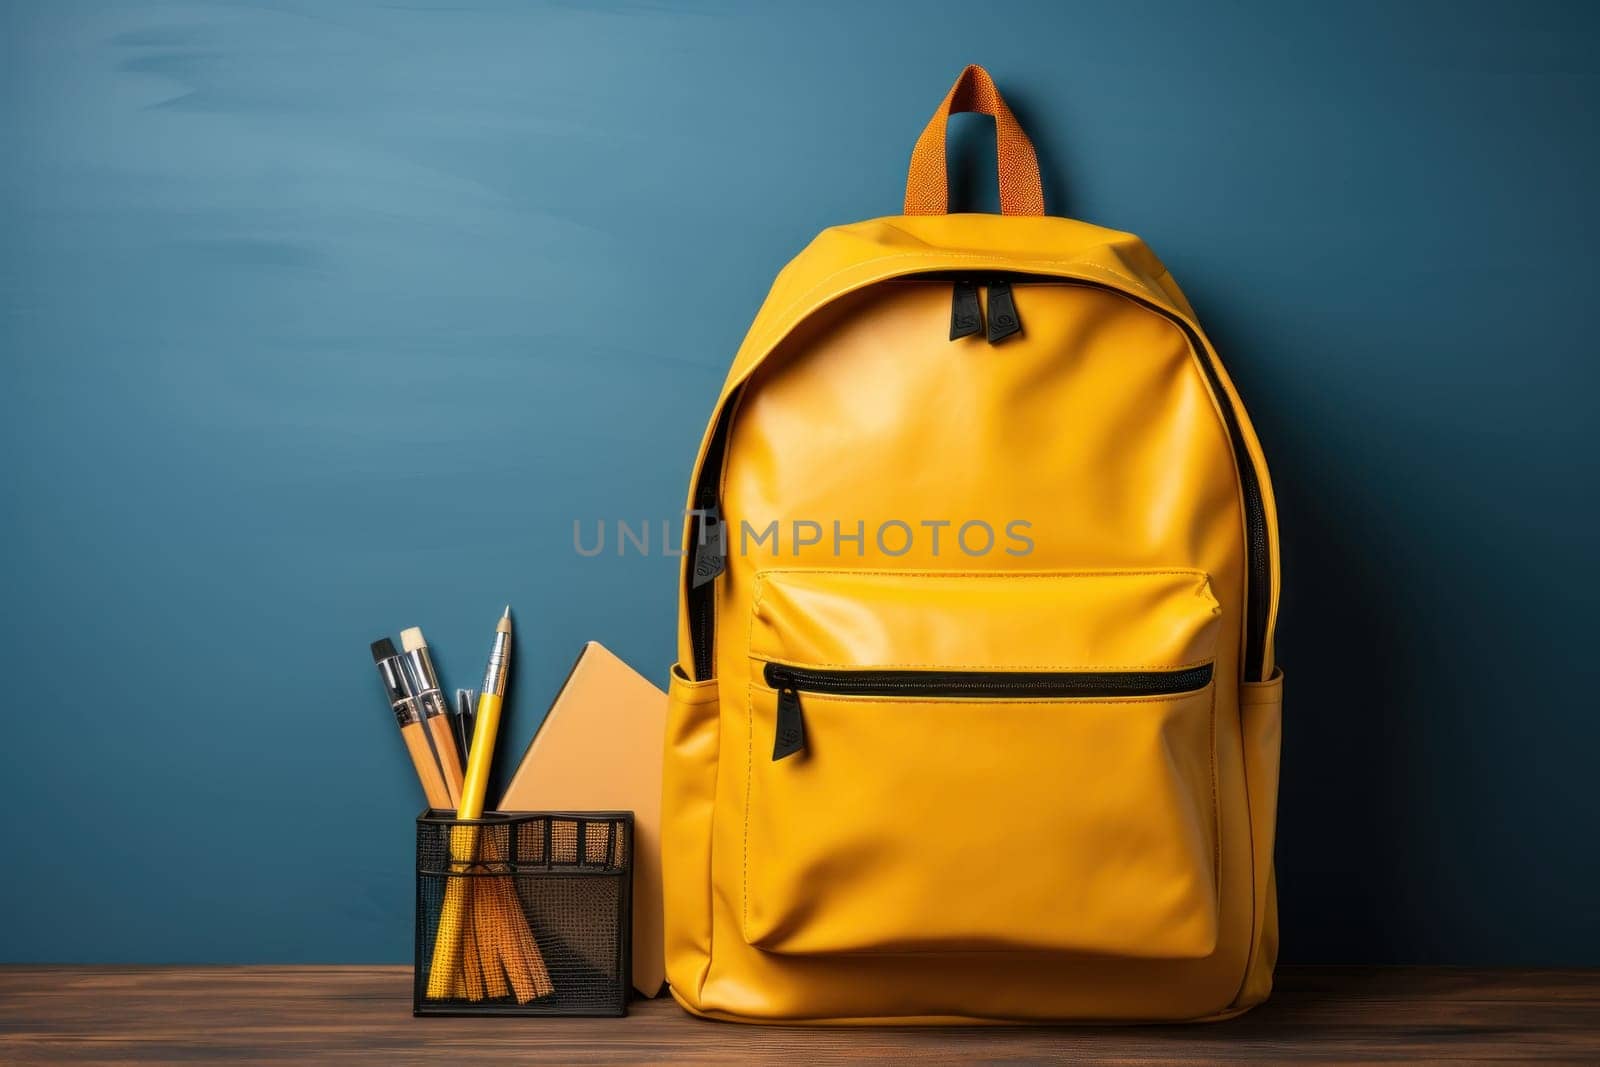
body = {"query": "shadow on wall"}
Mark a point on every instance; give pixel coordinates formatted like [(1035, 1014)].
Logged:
[(1344, 820)]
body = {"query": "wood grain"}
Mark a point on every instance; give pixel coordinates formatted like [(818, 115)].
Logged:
[(113, 1014)]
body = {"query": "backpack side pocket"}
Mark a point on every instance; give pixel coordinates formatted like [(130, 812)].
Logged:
[(1261, 721), (689, 785)]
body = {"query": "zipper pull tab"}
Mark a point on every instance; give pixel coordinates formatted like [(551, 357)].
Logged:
[(966, 314), (710, 547), (791, 733), (1003, 321)]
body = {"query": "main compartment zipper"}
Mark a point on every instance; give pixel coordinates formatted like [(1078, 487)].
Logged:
[(700, 593), (966, 313), (790, 682)]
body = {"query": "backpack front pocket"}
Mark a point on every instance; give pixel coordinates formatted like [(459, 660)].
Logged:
[(945, 762)]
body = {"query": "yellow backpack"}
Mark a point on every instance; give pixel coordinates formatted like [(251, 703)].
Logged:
[(975, 717)]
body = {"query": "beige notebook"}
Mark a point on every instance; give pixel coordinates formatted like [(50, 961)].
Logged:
[(599, 749)]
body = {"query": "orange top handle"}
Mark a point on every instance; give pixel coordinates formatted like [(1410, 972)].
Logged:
[(927, 185)]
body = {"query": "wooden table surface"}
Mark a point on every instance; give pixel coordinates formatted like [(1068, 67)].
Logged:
[(114, 1014)]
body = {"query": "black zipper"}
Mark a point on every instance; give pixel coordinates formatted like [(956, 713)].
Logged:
[(966, 313), (1258, 561), (791, 681), (1003, 321), (708, 550)]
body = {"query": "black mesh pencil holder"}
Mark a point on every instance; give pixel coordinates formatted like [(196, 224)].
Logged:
[(524, 913)]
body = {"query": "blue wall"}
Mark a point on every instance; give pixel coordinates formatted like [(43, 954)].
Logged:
[(323, 319)]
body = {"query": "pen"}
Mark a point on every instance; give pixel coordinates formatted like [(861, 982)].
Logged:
[(486, 723), (524, 963)]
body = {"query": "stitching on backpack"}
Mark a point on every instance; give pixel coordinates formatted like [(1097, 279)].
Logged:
[(1062, 264), (749, 774), (755, 612), (1216, 810), (1053, 667), (1116, 573)]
